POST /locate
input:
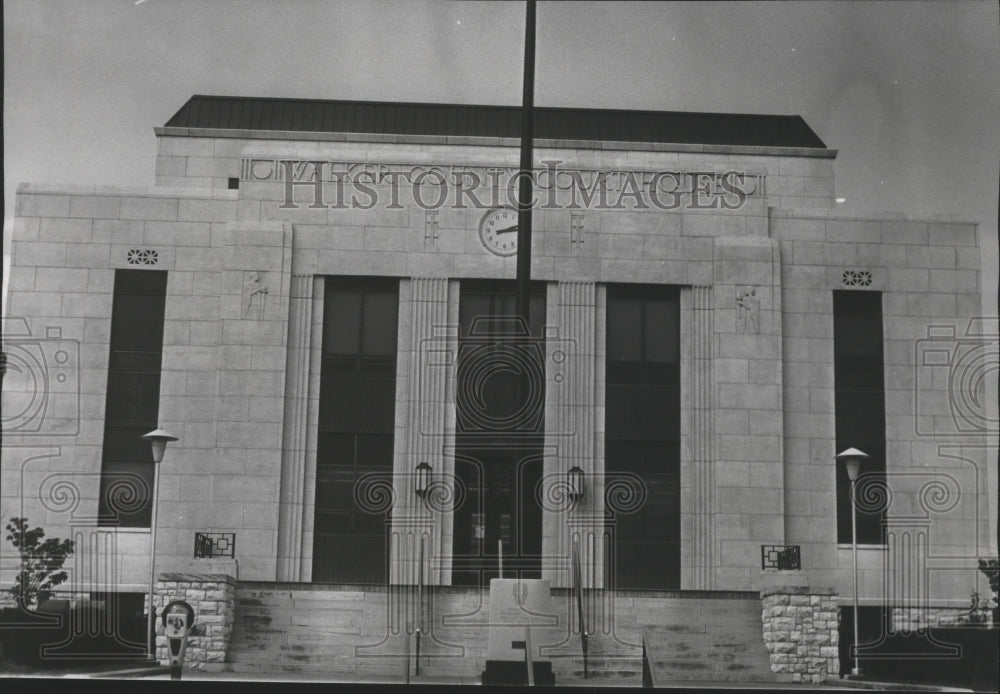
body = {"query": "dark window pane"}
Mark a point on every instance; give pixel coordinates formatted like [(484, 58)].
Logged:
[(374, 523), (126, 489), (332, 522), (152, 282), (642, 422), (342, 321), (335, 493), (123, 443), (133, 398), (662, 322), (356, 419), (474, 309), (859, 402), (624, 341), (375, 450), (335, 450), (380, 318), (137, 321)]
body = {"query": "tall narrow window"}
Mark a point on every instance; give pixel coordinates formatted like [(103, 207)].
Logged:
[(859, 382), (133, 397), (642, 439), (356, 419)]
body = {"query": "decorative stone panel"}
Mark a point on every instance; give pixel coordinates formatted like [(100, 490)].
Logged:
[(801, 632), (213, 597)]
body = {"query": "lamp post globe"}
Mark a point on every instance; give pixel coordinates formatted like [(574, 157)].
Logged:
[(852, 458), (158, 439)]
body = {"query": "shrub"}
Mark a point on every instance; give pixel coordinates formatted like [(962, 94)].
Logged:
[(41, 563)]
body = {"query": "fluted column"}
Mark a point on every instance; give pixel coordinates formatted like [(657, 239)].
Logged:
[(293, 445), (697, 445), (571, 422), (427, 357)]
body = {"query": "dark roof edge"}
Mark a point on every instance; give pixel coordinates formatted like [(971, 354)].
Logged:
[(814, 152), (428, 104)]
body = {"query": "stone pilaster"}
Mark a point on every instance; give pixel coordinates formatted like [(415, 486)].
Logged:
[(571, 423), (697, 462), (426, 359), (312, 428), (293, 446)]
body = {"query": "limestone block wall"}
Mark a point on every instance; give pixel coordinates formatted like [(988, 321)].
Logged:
[(801, 632), (747, 399), (222, 388), (213, 598), (795, 178), (67, 243), (938, 474)]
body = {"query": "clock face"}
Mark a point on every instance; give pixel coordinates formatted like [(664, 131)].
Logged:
[(498, 231)]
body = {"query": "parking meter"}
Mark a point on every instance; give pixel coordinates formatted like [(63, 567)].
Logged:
[(178, 619)]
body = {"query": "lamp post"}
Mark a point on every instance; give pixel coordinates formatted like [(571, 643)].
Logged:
[(158, 442), (853, 458)]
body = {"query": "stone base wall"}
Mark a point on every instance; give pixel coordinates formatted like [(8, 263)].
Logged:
[(801, 632), (213, 597), (361, 631), (919, 618)]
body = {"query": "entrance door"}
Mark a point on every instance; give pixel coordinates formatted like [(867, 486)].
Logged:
[(500, 403), (499, 509)]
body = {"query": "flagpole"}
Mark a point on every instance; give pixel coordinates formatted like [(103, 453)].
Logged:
[(525, 173)]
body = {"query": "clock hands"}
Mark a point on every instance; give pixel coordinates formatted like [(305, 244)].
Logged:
[(507, 230)]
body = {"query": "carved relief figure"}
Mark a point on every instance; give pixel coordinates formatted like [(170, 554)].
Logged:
[(254, 295), (747, 311)]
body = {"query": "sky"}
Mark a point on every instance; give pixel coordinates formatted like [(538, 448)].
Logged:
[(908, 92)]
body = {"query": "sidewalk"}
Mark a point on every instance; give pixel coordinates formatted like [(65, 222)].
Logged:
[(445, 681), (830, 685)]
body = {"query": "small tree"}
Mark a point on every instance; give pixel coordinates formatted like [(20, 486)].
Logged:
[(41, 563)]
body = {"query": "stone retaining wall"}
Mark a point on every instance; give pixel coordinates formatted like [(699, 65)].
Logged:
[(801, 632), (213, 597), (918, 618)]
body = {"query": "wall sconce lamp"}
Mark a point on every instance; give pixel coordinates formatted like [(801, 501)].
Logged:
[(423, 480), (574, 481)]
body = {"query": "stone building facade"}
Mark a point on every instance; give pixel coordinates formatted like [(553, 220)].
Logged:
[(743, 257)]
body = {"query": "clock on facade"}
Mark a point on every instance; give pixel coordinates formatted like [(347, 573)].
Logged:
[(498, 231)]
